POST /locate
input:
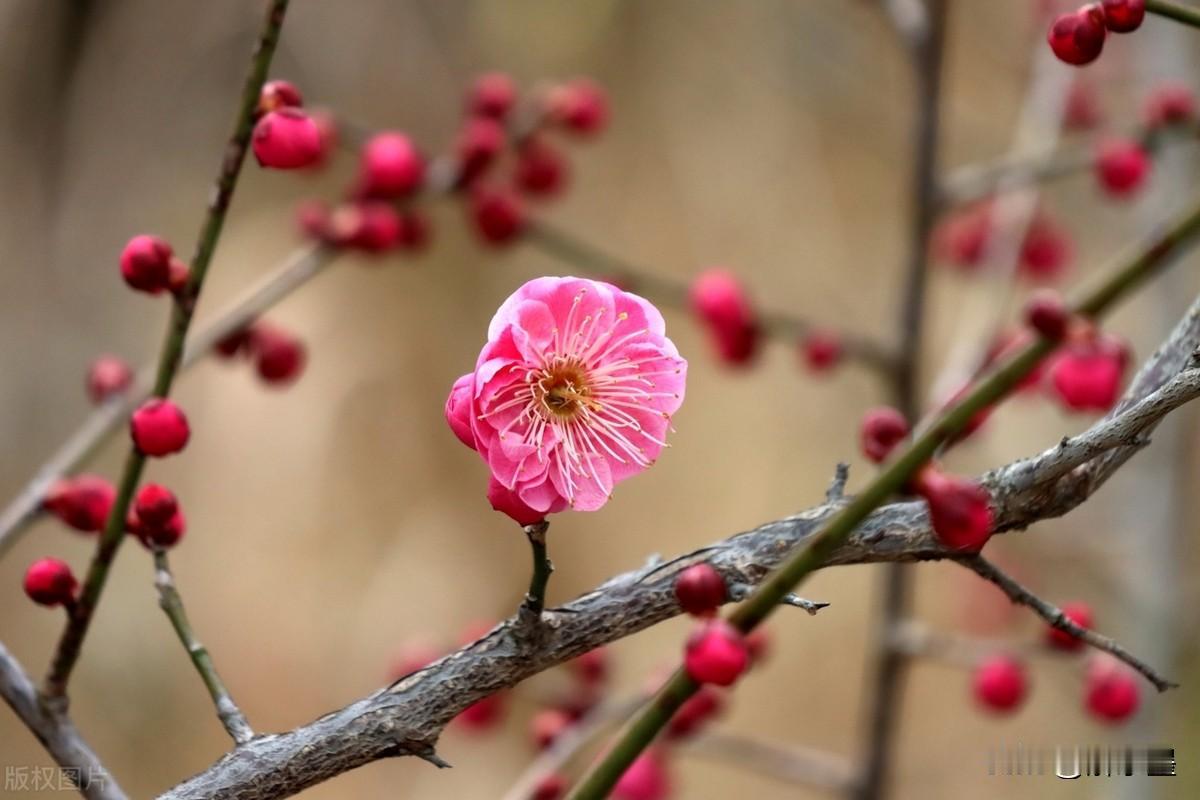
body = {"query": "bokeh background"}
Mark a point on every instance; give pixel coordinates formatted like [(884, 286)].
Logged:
[(335, 521)]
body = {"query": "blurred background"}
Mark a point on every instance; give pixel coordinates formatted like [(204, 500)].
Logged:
[(336, 521)]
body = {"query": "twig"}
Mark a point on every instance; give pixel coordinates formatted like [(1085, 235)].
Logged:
[(571, 741), (973, 182), (567, 247), (69, 645), (837, 487), (407, 717), (1057, 619), (888, 665), (535, 598), (1176, 11), (300, 267), (740, 591), (56, 732), (823, 544), (171, 603), (806, 766)]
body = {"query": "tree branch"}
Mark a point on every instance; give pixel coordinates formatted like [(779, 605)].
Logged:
[(1056, 618), (407, 717), (71, 641), (171, 603), (973, 182), (1176, 11), (301, 266), (56, 732), (805, 766)]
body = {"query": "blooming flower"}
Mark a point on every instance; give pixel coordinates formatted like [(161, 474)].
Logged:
[(572, 393)]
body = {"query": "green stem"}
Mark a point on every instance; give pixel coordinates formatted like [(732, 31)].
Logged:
[(810, 555), (1176, 11), (71, 642), (172, 604), (535, 598)]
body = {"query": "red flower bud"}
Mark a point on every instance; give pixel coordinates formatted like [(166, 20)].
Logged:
[(279, 356), (146, 263), (178, 273), (1082, 108), (1086, 375), (698, 710), (547, 725), (50, 582), (484, 714), (155, 505), (83, 502), (1047, 314), (498, 214), (492, 95), (700, 590), (1078, 37), (1121, 167), (645, 779), (478, 144), (1047, 251), (580, 106), (958, 509), (551, 787), (390, 166), (1169, 104), (716, 653), (541, 169), (721, 303), (166, 535), (592, 667), (882, 429), (1123, 16), (278, 94), (1000, 684), (107, 377), (1111, 691), (159, 428), (821, 350), (1081, 615), (288, 139)]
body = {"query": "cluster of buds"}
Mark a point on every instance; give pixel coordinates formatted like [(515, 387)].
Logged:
[(285, 135), (148, 264), (961, 241), (722, 306), (1001, 683), (1078, 37), (503, 155), (279, 356)]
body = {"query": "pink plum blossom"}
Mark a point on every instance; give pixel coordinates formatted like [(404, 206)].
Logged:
[(572, 394)]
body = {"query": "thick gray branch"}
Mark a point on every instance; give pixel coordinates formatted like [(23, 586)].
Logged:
[(407, 717), (56, 732)]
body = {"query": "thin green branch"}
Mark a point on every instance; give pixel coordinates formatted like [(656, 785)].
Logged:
[(171, 603), (535, 598), (645, 726), (69, 645), (1188, 15)]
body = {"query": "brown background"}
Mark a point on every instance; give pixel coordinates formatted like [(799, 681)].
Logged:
[(333, 522)]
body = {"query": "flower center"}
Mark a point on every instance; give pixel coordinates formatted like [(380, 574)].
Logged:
[(562, 389)]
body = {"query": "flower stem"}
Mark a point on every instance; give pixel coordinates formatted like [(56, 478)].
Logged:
[(171, 603), (645, 726), (69, 645), (535, 598), (1176, 11)]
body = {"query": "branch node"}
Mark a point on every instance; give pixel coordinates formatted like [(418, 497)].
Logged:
[(837, 488)]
